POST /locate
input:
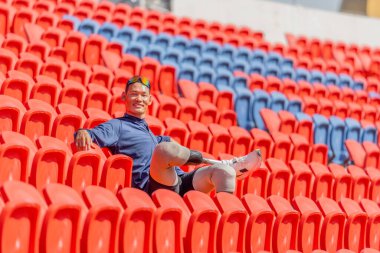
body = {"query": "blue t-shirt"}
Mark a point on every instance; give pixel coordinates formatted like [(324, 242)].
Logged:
[(130, 136)]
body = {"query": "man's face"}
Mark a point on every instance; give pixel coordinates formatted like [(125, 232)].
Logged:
[(137, 100)]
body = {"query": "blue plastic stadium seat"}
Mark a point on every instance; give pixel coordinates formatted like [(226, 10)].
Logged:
[(287, 72), (228, 52), (75, 20), (224, 78), (172, 55), (261, 99), (278, 101), (188, 72), (303, 116), (294, 105), (155, 52), (353, 129), (337, 139), (317, 77), (272, 70), (302, 74), (190, 58), (145, 37), (206, 74), (207, 61), (108, 30), (322, 131), (258, 56), (257, 67), (286, 62), (273, 58), (358, 85), (211, 49), (369, 133), (127, 34), (243, 54), (331, 78), (223, 64), (137, 49), (88, 27), (121, 42), (196, 46), (345, 81), (179, 42), (243, 100), (163, 40), (240, 65), (239, 81)]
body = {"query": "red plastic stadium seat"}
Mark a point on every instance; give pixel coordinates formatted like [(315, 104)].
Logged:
[(22, 17), (93, 48), (372, 155), (189, 110), (168, 107), (24, 207), (225, 100), (283, 148), (70, 219), (79, 72), (18, 87), (302, 148), (14, 43), (151, 68), (7, 14), (241, 141), (305, 128), (341, 109), (361, 183), (355, 228), (120, 78), (130, 63), (190, 90), (263, 141), (356, 152), (342, 182), (17, 152), (54, 37), (260, 223), (54, 68), (155, 125), (68, 120), (310, 223), (177, 131), (232, 224), (332, 230), (271, 120), (97, 97), (259, 82), (74, 45), (11, 113), (356, 111), (285, 229), (136, 228), (46, 89), (302, 179), (209, 112), (104, 214), (372, 230), (326, 107), (38, 120), (323, 182), (73, 93), (29, 64), (8, 60), (374, 175), (221, 140), (200, 136), (257, 182), (311, 105), (279, 178), (95, 117)]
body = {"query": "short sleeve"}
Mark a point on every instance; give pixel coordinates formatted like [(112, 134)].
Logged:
[(163, 138)]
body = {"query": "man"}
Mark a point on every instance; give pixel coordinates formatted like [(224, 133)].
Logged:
[(156, 158)]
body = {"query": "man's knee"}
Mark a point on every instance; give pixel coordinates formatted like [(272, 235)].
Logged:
[(224, 178), (171, 154)]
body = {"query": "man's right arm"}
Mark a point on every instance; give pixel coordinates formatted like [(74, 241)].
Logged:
[(104, 135)]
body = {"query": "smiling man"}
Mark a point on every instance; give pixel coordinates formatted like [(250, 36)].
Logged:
[(156, 158)]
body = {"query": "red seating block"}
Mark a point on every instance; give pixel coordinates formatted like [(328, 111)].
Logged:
[(323, 182), (279, 178)]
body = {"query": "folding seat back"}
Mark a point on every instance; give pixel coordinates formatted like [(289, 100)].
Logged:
[(54, 68), (108, 30), (356, 225), (221, 141), (302, 179), (283, 148), (232, 224), (271, 120), (372, 230), (200, 136), (301, 146), (168, 107), (372, 154), (353, 129), (163, 40), (206, 74), (38, 120), (130, 63), (374, 176), (278, 101), (331, 78), (279, 178), (209, 113), (285, 228), (317, 77), (361, 183), (8, 60), (74, 45), (97, 97), (211, 49), (337, 138), (101, 76), (11, 113), (47, 19), (305, 126), (25, 211), (243, 101), (345, 81), (310, 223), (342, 182), (288, 122), (321, 130), (136, 49), (151, 68), (95, 117), (17, 152), (22, 17), (188, 72), (177, 130), (260, 82), (145, 37), (14, 43), (261, 99), (263, 141), (369, 132), (258, 56), (88, 27), (53, 37), (241, 141), (68, 120), (29, 64), (93, 48), (260, 223), (7, 14), (332, 230), (323, 182), (167, 81)]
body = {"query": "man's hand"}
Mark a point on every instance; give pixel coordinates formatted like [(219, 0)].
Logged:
[(83, 140)]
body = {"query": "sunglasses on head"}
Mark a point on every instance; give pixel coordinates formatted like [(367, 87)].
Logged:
[(139, 79)]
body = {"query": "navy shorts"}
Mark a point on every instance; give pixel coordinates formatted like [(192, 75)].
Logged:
[(185, 184)]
